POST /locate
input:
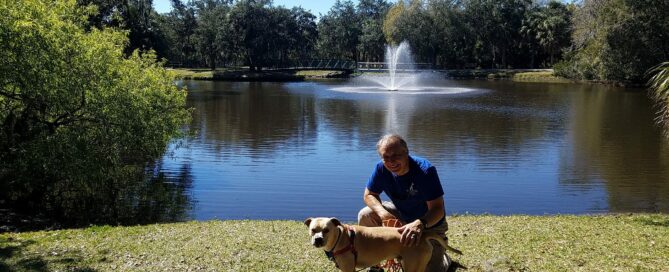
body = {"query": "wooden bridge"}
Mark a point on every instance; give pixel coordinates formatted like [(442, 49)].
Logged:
[(400, 67), (350, 66), (320, 64)]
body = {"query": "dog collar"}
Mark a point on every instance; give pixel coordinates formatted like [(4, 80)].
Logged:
[(337, 241), (351, 247)]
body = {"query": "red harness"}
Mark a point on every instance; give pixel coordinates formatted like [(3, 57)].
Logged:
[(350, 247)]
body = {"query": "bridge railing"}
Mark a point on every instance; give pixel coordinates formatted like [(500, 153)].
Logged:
[(338, 64), (399, 66), (320, 64)]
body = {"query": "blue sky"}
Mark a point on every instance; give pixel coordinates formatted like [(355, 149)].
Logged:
[(315, 6)]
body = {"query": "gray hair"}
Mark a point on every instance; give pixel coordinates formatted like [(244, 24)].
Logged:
[(391, 139)]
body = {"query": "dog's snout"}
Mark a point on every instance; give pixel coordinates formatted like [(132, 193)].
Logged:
[(319, 241)]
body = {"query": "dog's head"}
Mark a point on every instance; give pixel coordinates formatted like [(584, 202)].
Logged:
[(323, 231)]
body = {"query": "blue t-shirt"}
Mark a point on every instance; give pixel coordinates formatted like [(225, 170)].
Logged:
[(411, 191)]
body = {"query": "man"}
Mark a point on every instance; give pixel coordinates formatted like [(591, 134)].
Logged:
[(413, 186)]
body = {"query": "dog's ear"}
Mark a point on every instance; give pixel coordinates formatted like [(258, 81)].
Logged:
[(335, 221), (307, 221)]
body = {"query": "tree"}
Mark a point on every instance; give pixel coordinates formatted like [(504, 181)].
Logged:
[(267, 36), (249, 23), (373, 9), (497, 27), (283, 36), (305, 34), (75, 113), (421, 32), (547, 31), (339, 32), (414, 24), (136, 16), (617, 40), (179, 27), (371, 41), (211, 35), (391, 26)]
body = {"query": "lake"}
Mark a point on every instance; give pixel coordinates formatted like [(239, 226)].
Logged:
[(294, 150)]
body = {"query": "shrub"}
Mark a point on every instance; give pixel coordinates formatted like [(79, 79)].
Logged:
[(76, 115)]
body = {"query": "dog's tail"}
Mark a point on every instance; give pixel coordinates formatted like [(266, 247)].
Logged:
[(442, 241)]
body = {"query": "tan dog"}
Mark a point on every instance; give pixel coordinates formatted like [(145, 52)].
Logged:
[(370, 246)]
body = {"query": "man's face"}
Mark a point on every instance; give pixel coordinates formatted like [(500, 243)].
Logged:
[(395, 158)]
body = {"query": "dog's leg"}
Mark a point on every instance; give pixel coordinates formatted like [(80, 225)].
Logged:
[(418, 259), (346, 263), (347, 268)]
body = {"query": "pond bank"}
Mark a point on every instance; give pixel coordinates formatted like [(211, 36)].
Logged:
[(519, 75), (629, 242), (247, 75)]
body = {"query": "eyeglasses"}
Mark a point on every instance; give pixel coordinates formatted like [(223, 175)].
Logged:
[(393, 157)]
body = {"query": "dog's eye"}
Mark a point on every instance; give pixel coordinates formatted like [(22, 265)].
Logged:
[(326, 231)]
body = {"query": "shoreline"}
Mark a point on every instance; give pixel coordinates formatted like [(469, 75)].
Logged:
[(635, 242), (243, 75), (515, 75)]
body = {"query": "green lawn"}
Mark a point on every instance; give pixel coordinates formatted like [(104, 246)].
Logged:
[(544, 77), (320, 73), (637, 242), (193, 74), (237, 74)]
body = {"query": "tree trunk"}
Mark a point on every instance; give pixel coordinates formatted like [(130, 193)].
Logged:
[(212, 61)]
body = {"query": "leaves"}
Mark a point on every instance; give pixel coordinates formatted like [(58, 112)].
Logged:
[(617, 40), (659, 84), (74, 110)]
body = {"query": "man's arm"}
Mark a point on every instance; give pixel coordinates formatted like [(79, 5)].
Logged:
[(373, 201), (435, 211)]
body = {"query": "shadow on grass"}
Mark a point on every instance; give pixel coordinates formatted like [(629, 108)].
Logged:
[(456, 266), (14, 257), (656, 222)]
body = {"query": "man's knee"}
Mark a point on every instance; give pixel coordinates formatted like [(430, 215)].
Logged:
[(368, 218)]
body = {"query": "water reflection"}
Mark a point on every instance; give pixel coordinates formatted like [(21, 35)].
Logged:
[(291, 150), (616, 144), (243, 117), (138, 197)]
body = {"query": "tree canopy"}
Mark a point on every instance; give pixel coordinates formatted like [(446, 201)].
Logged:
[(617, 40), (614, 40), (75, 112)]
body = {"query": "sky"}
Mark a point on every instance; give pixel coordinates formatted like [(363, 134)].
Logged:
[(315, 6)]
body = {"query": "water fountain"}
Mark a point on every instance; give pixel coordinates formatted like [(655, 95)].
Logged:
[(397, 57), (402, 77)]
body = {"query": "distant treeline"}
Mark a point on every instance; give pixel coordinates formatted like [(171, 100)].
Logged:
[(593, 39)]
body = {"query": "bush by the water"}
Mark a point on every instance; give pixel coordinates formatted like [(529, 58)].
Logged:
[(78, 119), (617, 40)]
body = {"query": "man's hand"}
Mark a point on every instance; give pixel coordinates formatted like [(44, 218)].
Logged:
[(411, 233)]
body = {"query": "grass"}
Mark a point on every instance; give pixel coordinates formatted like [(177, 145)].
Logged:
[(193, 74), (637, 242), (544, 76), (246, 75), (519, 75), (320, 74)]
